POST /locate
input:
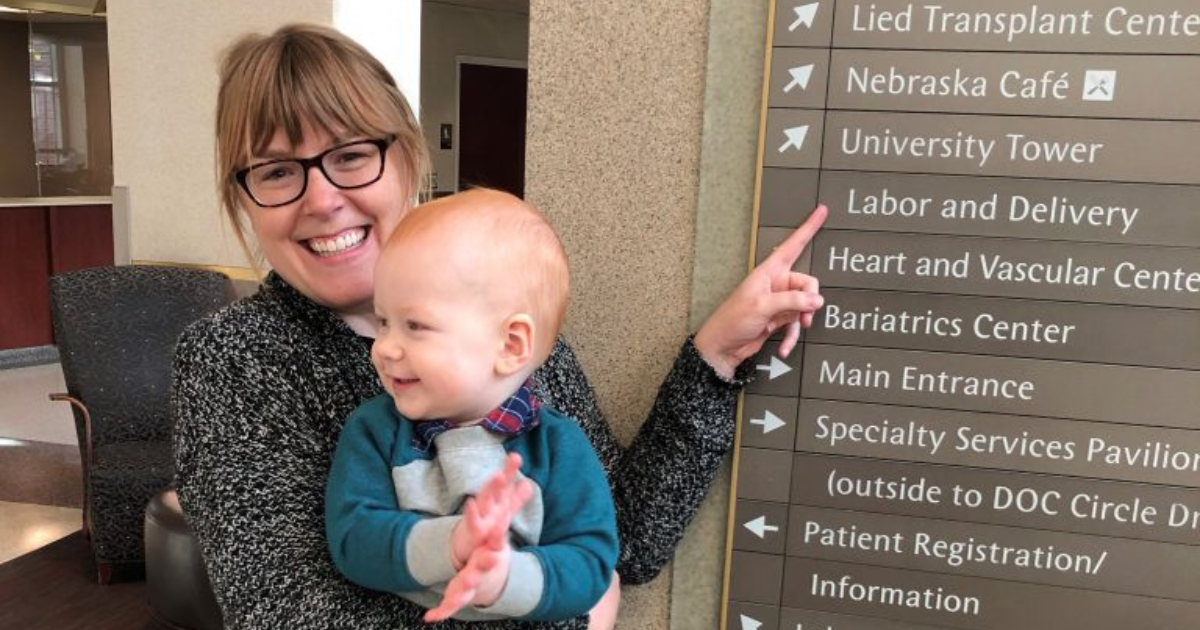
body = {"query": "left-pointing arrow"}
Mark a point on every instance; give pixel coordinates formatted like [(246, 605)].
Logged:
[(759, 527), (750, 623), (795, 138)]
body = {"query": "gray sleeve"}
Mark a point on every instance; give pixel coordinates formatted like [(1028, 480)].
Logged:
[(524, 589), (428, 550)]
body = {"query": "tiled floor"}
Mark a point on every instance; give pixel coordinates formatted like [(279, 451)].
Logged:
[(40, 484), (25, 527), (25, 411)]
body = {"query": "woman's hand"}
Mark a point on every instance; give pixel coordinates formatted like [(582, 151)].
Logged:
[(770, 297), (603, 616)]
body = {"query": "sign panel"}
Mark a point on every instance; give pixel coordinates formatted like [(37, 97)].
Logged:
[(994, 422)]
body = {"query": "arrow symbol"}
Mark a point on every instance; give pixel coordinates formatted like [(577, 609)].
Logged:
[(750, 623), (768, 422), (800, 77), (776, 369), (805, 15), (759, 527), (795, 138)]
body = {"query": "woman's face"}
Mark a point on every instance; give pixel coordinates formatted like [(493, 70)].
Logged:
[(325, 243)]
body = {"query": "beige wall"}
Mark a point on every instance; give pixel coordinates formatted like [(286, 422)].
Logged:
[(446, 32), (164, 80)]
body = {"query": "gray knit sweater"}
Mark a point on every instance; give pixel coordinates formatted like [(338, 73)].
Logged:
[(261, 390)]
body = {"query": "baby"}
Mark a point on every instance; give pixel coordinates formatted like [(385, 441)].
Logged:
[(458, 489)]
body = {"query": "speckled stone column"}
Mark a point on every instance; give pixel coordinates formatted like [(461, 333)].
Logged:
[(624, 98), (616, 90)]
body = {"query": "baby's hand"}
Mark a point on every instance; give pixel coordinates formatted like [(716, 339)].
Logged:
[(479, 583), (480, 542), (489, 513)]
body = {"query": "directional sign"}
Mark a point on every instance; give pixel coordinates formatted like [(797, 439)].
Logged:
[(776, 369), (769, 422), (750, 623), (759, 527), (805, 15), (800, 77)]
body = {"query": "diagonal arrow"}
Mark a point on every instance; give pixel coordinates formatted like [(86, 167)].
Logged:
[(776, 369), (805, 15), (768, 422), (795, 138), (759, 527), (800, 77), (750, 623)]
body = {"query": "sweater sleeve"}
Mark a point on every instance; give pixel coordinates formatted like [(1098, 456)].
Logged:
[(578, 547), (373, 542), (660, 480)]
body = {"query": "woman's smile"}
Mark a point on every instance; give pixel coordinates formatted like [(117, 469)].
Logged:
[(347, 240)]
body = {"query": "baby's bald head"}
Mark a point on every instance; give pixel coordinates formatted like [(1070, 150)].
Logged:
[(501, 248)]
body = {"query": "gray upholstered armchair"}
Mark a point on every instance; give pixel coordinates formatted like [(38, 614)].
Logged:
[(116, 329)]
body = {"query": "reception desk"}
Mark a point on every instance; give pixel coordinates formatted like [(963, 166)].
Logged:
[(40, 237)]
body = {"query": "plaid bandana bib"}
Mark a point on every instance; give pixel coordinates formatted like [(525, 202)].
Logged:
[(514, 416)]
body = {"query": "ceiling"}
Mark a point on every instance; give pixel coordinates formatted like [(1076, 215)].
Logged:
[(97, 7), (507, 6), (73, 7)]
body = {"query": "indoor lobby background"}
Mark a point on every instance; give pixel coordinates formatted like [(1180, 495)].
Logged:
[(642, 123)]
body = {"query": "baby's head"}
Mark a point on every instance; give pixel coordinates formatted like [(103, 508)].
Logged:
[(470, 291)]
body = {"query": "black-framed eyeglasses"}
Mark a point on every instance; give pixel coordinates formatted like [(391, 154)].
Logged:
[(347, 166)]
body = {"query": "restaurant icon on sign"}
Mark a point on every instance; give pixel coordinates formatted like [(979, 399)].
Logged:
[(1099, 85)]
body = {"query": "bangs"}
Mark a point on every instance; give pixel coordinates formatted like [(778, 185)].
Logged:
[(300, 90)]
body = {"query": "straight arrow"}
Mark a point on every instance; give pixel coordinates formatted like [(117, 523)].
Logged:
[(805, 15), (759, 527), (769, 422), (776, 369), (750, 623)]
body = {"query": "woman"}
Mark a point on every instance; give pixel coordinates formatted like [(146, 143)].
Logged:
[(319, 152)]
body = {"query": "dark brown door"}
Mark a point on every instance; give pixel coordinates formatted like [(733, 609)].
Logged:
[(36, 243), (24, 278), (491, 121)]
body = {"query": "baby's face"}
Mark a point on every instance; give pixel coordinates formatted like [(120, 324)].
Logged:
[(437, 344)]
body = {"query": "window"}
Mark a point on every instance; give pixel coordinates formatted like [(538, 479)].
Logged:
[(47, 103), (54, 106)]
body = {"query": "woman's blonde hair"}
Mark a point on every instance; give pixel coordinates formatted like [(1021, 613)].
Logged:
[(312, 75)]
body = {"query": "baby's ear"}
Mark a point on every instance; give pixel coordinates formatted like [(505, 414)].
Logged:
[(517, 351)]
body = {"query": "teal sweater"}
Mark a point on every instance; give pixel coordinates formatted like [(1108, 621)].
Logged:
[(390, 509)]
